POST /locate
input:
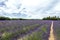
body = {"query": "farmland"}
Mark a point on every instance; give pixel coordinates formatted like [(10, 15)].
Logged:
[(28, 29), (57, 29)]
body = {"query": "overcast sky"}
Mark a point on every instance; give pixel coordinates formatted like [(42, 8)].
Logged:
[(35, 9)]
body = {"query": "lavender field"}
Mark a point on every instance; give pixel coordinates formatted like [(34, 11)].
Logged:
[(57, 30), (28, 29), (29, 19)]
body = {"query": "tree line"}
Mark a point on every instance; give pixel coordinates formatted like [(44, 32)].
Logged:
[(45, 18), (7, 18), (51, 18)]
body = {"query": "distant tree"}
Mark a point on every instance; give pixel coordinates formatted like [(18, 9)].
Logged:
[(51, 18), (4, 18), (21, 19), (7, 18)]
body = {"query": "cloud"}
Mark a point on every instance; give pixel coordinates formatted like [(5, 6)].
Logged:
[(29, 8), (48, 6)]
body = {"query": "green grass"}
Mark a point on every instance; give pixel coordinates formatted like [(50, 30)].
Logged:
[(37, 35), (34, 36), (58, 34), (6, 36), (44, 29)]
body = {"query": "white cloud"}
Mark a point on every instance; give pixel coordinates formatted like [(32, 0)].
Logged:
[(31, 8), (57, 7)]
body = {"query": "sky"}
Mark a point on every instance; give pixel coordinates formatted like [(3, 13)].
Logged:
[(29, 9)]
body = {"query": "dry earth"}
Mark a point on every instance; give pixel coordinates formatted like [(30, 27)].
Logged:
[(51, 33)]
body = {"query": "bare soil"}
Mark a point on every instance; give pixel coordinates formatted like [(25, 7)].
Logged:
[(51, 33)]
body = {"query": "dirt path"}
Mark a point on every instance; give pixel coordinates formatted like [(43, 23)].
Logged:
[(51, 33)]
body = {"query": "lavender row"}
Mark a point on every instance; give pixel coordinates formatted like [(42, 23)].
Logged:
[(18, 27), (57, 30), (41, 34)]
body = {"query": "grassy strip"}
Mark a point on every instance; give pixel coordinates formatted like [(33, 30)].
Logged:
[(38, 35), (8, 36)]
